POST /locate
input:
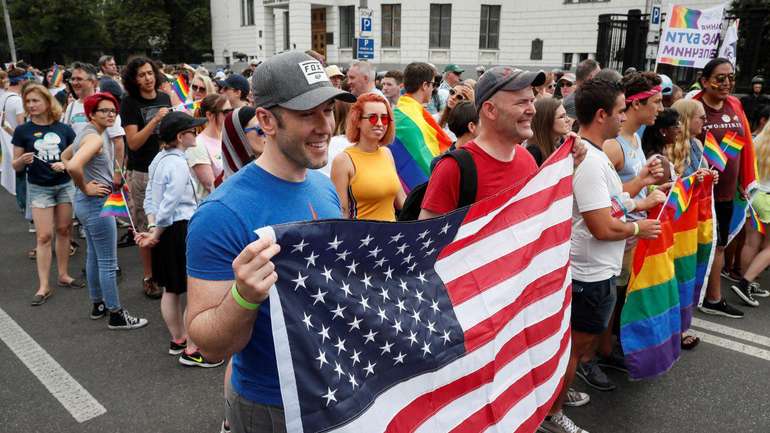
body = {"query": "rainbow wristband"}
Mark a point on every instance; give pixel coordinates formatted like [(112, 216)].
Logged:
[(241, 301)]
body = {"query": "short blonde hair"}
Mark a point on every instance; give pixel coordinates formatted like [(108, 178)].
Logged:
[(207, 83), (54, 108)]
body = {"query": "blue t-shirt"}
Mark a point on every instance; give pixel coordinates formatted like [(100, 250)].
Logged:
[(48, 142), (224, 225)]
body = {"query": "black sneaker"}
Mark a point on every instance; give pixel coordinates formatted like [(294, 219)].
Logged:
[(98, 311), (615, 361), (121, 319), (593, 376), (745, 295), (729, 275), (721, 308), (175, 349), (757, 291), (197, 360)]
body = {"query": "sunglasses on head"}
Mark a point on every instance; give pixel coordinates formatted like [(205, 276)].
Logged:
[(372, 118)]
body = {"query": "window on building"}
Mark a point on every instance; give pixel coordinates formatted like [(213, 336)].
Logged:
[(582, 56), (567, 61), (347, 26), (537, 50), (286, 35), (247, 12), (391, 25), (489, 36), (440, 25)]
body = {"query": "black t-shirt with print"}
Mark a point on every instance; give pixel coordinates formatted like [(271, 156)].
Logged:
[(48, 142), (139, 111)]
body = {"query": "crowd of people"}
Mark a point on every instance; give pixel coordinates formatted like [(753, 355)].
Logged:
[(278, 144)]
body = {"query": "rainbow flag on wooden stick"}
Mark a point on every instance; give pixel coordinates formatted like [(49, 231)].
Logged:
[(755, 221), (181, 88), (57, 76), (713, 153), (668, 278), (732, 144), (680, 196), (115, 206)]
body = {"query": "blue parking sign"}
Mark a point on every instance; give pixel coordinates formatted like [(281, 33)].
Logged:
[(366, 48), (366, 24)]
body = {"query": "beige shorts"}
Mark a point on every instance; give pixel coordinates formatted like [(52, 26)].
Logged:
[(137, 185), (625, 271)]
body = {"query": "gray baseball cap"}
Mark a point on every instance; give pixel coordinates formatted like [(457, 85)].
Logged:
[(295, 81), (505, 78)]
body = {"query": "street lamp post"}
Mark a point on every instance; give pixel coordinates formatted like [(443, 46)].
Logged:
[(9, 31)]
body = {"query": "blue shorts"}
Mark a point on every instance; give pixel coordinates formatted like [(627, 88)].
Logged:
[(41, 197), (592, 305)]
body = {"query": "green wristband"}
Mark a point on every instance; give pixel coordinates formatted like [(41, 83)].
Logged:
[(242, 302)]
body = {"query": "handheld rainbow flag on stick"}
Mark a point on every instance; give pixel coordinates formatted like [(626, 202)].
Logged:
[(189, 106), (181, 88), (679, 197), (713, 153), (755, 221), (115, 205), (57, 76), (732, 144)]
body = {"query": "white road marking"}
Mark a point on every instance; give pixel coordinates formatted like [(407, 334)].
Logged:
[(731, 332), (79, 402), (732, 345)]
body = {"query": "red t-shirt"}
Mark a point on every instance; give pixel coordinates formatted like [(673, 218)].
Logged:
[(493, 176), (719, 123)]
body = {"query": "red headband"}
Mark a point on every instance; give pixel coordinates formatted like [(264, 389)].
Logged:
[(644, 95)]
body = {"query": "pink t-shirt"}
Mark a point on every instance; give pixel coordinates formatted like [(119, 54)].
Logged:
[(214, 147)]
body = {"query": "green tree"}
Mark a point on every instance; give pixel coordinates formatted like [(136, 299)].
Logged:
[(753, 40)]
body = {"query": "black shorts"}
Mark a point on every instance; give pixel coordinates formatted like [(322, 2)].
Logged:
[(169, 258), (592, 305), (724, 214)]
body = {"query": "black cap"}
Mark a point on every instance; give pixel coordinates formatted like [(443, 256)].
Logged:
[(176, 122), (238, 82), (505, 78)]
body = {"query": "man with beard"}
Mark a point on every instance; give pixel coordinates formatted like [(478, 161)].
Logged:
[(229, 269)]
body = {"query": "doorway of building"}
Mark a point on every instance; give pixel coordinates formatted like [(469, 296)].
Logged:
[(318, 30)]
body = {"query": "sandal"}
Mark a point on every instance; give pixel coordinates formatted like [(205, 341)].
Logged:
[(74, 248), (38, 299), (689, 342), (74, 284)]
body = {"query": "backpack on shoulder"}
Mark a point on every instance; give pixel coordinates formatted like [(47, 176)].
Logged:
[(468, 185)]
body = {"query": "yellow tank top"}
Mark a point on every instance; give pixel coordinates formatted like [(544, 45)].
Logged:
[(373, 188)]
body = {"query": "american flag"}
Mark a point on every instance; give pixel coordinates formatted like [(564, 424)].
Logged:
[(459, 323)]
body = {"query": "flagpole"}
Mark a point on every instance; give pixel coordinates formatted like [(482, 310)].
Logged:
[(665, 203), (130, 220)]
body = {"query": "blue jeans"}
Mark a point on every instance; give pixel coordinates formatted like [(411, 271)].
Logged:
[(102, 250)]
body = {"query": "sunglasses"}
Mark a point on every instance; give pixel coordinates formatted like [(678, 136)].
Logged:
[(106, 111), (723, 78), (198, 88), (566, 84), (372, 118), (256, 129), (453, 92)]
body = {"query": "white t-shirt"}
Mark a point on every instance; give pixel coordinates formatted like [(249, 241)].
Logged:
[(206, 151), (13, 107), (594, 183), (337, 144), (75, 116)]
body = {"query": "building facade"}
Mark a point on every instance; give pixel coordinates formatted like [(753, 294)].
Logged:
[(526, 33)]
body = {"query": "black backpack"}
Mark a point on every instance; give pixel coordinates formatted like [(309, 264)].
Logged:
[(468, 185)]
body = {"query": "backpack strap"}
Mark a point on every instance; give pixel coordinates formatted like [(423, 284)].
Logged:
[(468, 176)]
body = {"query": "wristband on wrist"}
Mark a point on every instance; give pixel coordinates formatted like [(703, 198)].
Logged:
[(151, 226), (240, 300), (636, 228)]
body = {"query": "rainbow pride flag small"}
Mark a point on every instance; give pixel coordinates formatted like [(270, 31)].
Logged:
[(189, 106), (755, 221), (57, 76), (684, 18), (181, 88), (115, 206), (680, 196), (732, 144), (713, 153)]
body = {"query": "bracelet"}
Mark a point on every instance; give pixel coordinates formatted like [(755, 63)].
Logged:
[(636, 228), (239, 299), (151, 226)]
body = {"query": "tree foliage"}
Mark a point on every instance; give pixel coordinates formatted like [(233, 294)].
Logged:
[(65, 30)]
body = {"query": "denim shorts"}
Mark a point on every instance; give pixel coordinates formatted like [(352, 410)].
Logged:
[(592, 305), (41, 197)]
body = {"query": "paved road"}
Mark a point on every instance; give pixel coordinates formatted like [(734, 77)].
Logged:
[(720, 387)]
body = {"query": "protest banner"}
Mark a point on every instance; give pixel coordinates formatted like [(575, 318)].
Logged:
[(691, 36)]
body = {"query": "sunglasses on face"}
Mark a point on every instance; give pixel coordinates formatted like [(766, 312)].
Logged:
[(256, 129), (372, 118), (453, 92), (198, 88), (566, 84), (722, 78)]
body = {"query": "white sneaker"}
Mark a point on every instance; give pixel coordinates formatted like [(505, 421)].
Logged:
[(576, 398), (559, 423)]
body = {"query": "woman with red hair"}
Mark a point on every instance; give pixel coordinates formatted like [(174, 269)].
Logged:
[(365, 174)]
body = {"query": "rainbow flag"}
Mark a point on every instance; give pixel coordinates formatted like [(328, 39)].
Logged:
[(418, 140), (189, 106), (684, 18), (668, 279), (680, 196), (57, 76), (755, 221), (713, 153), (115, 206), (181, 88), (732, 144)]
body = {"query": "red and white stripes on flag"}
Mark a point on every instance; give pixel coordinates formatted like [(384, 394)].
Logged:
[(507, 275)]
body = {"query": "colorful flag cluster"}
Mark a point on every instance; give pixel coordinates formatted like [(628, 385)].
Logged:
[(713, 153), (418, 140), (115, 206), (181, 88), (680, 196), (456, 323), (668, 278)]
